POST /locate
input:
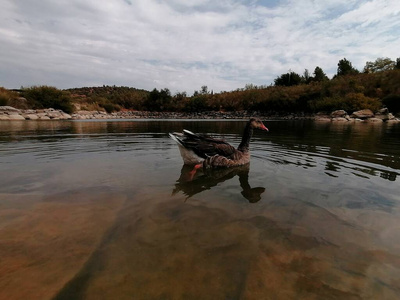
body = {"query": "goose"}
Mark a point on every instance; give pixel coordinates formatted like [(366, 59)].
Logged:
[(208, 153)]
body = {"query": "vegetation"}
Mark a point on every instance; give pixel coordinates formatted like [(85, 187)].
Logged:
[(379, 65), (377, 86), (6, 96), (109, 98), (47, 96), (345, 67)]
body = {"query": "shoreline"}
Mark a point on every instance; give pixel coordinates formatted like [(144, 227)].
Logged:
[(8, 113)]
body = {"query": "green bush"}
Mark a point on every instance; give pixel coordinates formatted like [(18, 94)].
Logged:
[(48, 97)]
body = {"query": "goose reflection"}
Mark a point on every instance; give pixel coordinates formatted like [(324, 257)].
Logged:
[(191, 184)]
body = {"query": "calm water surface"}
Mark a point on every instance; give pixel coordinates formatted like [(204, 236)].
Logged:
[(105, 210)]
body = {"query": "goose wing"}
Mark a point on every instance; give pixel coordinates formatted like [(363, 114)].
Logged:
[(205, 146)]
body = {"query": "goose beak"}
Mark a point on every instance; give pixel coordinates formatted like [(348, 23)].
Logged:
[(264, 128)]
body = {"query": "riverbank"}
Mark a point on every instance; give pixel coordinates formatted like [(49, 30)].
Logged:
[(8, 113)]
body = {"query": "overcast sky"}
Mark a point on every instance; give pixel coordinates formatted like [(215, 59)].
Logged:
[(183, 44)]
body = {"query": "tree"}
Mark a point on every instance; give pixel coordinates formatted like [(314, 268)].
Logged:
[(288, 79), (306, 76), (379, 65), (204, 90), (158, 100), (397, 66), (319, 75), (346, 68)]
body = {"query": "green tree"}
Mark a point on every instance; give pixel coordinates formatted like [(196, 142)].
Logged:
[(158, 100), (288, 79), (319, 75), (379, 65), (346, 68)]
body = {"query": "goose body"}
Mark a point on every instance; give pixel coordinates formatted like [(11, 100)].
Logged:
[(198, 149)]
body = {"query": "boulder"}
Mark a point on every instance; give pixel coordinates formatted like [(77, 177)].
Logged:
[(4, 117), (29, 111), (383, 111), (65, 116), (322, 119), (339, 114), (16, 117), (8, 109), (375, 120), (362, 114), (31, 117), (54, 114), (339, 119), (383, 117)]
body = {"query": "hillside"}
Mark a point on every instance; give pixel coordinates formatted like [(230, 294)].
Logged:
[(347, 92)]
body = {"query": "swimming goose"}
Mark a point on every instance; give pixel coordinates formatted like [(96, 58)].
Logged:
[(207, 152)]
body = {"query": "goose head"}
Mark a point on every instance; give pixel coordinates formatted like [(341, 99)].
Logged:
[(256, 123)]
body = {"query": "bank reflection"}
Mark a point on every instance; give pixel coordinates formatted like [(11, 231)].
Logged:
[(203, 180)]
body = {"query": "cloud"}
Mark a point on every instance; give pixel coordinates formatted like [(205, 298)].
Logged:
[(183, 45)]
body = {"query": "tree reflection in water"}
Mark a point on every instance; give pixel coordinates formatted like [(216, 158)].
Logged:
[(206, 179)]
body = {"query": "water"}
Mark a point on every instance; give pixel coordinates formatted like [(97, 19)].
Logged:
[(105, 210)]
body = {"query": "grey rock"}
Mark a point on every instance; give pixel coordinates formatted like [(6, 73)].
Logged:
[(363, 114), (339, 114)]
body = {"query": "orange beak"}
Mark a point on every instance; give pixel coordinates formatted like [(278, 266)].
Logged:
[(264, 128)]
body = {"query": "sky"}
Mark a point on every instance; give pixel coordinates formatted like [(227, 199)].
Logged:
[(183, 45)]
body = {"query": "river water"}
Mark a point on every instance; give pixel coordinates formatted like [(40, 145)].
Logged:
[(106, 210)]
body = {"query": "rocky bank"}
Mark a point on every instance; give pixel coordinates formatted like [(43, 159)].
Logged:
[(8, 113)]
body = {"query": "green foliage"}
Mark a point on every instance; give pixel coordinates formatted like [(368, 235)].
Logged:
[(379, 65), (158, 100), (106, 104), (48, 97), (397, 65), (328, 104), (346, 68), (126, 97), (319, 75), (350, 103), (196, 103), (288, 79)]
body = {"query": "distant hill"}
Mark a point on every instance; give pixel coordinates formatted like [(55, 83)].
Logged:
[(348, 92)]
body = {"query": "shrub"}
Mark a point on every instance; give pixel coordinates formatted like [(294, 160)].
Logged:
[(6, 96), (48, 97)]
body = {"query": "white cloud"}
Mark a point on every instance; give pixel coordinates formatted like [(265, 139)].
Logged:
[(183, 45)]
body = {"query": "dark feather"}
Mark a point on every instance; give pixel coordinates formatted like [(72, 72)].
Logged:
[(205, 146)]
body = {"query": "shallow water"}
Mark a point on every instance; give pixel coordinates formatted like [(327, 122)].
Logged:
[(105, 210)]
